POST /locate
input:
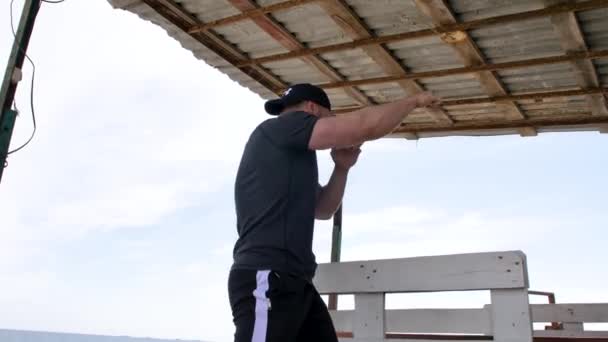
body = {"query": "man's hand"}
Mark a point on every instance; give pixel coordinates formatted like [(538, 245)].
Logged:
[(426, 99), (345, 158), (330, 196)]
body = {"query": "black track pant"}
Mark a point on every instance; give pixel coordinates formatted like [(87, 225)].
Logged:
[(270, 306)]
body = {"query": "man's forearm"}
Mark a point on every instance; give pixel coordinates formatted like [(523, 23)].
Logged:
[(382, 119), (331, 195)]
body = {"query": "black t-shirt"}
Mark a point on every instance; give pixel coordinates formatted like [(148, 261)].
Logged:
[(275, 197)]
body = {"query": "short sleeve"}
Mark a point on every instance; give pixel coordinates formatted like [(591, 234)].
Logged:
[(290, 130)]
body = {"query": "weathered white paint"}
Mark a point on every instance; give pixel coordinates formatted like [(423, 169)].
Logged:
[(508, 319), (575, 334), (482, 271), (511, 318), (431, 321), (475, 321), (573, 326), (368, 322), (587, 313)]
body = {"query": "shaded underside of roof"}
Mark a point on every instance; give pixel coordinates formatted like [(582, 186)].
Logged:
[(500, 66)]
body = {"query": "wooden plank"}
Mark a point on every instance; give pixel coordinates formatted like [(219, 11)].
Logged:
[(573, 326), (355, 28), (572, 40), (343, 319), (427, 321), (439, 321), (510, 312), (258, 11), (441, 14), (528, 131), (571, 334), (285, 38), (587, 313), (518, 97), (461, 272), (407, 136), (579, 121), (368, 318)]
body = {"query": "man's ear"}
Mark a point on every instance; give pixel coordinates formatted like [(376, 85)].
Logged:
[(312, 107)]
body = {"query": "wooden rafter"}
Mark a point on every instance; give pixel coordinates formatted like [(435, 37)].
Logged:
[(355, 28), (570, 57), (183, 20), (572, 40), (250, 13), (464, 26), (516, 97), (571, 120), (287, 40), (441, 14)]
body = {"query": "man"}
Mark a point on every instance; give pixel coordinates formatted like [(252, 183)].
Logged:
[(278, 197)]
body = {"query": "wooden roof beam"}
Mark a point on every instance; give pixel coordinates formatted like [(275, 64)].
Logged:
[(485, 22), (287, 40), (570, 57), (594, 122), (441, 14), (355, 28), (538, 96), (176, 14), (572, 40), (249, 14)]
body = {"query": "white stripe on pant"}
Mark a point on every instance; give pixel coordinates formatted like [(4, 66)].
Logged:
[(262, 304)]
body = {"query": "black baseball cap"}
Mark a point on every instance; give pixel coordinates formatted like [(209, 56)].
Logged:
[(295, 94)]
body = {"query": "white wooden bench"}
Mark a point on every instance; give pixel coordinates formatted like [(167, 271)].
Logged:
[(572, 318), (504, 274)]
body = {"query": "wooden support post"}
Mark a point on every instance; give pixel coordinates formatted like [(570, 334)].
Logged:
[(511, 317), (368, 322)]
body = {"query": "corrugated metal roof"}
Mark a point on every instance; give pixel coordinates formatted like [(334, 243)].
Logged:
[(423, 49)]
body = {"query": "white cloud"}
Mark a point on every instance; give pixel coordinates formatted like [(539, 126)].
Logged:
[(423, 231)]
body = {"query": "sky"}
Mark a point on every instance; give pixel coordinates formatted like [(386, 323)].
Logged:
[(118, 219)]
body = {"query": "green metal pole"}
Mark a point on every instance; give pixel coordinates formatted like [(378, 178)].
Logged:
[(336, 245), (12, 76)]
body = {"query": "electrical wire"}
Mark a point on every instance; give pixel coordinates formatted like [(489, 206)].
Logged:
[(53, 1)]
